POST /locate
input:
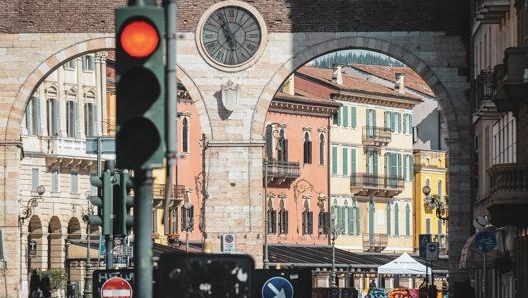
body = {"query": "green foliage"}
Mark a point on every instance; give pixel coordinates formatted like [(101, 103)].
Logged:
[(344, 58), (58, 277)]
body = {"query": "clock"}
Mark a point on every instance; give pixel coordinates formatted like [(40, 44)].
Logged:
[(231, 35)]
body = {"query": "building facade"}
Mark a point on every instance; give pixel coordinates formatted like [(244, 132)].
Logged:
[(499, 111)]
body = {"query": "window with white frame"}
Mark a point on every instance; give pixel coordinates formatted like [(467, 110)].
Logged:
[(55, 180), (88, 63), (74, 182), (71, 118), (32, 116), (34, 179), (90, 119), (52, 107)]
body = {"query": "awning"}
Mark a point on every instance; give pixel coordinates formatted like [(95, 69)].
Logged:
[(321, 257)]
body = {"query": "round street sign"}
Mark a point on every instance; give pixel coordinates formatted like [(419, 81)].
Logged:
[(485, 241), (116, 287), (277, 287)]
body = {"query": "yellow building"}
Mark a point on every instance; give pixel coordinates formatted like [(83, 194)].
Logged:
[(430, 169)]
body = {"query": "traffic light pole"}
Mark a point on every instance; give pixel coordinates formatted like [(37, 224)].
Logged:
[(143, 233)]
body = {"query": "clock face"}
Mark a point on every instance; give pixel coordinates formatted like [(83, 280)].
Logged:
[(231, 36)]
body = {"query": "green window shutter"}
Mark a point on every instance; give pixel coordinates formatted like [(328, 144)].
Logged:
[(353, 168), (354, 117), (393, 121), (410, 124), (400, 168), (398, 122), (388, 212), (345, 116), (350, 223), (334, 160), (375, 157), (358, 220), (345, 161), (396, 220), (387, 120), (407, 220), (339, 115)]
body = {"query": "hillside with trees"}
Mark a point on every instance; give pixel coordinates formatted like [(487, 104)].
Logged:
[(356, 57)]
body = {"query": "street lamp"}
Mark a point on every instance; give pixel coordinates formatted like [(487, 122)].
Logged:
[(435, 202), (187, 205), (31, 204), (334, 232), (271, 133)]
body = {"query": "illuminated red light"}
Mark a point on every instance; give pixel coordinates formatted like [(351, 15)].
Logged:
[(139, 39)]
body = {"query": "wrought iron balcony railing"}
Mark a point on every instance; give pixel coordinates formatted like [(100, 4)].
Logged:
[(376, 136), (279, 172), (374, 242), (372, 184), (158, 191)]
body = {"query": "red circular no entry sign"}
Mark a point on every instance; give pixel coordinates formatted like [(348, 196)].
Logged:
[(116, 287)]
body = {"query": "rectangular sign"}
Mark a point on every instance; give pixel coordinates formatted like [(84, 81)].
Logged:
[(431, 251), (204, 275), (107, 145), (423, 240)]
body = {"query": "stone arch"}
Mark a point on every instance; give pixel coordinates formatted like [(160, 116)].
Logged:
[(74, 229), (55, 243), (35, 233), (37, 76), (406, 56)]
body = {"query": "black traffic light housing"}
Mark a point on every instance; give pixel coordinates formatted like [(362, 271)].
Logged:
[(140, 79), (124, 202), (103, 200)]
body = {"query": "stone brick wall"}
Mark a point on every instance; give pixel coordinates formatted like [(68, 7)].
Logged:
[(51, 16)]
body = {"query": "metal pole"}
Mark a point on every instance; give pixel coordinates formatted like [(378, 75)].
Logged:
[(333, 274), (171, 106), (143, 233), (266, 219), (484, 284)]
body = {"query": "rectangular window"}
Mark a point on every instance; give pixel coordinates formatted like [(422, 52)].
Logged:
[(55, 180), (71, 119), (90, 119), (33, 116), (34, 179), (74, 182), (88, 63), (53, 117)]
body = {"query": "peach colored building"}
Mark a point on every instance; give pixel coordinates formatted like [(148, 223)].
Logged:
[(296, 167)]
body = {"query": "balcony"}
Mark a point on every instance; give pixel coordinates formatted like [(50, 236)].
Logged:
[(279, 172), (484, 88), (375, 136), (158, 194), (511, 80), (365, 184), (374, 242), (508, 202), (491, 11)]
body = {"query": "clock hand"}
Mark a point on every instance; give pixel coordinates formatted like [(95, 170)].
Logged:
[(230, 37)]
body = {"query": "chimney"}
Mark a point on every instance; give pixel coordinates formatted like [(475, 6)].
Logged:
[(337, 76), (399, 85)]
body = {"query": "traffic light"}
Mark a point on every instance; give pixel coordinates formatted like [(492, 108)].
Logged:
[(125, 202), (140, 92), (104, 202)]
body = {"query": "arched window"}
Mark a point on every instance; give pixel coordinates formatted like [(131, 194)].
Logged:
[(272, 218), (307, 146), (396, 220), (282, 148), (307, 219), (407, 220), (321, 149), (185, 135), (283, 219), (388, 212)]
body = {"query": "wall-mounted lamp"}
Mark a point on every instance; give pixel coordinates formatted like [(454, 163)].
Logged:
[(434, 202), (31, 204)]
